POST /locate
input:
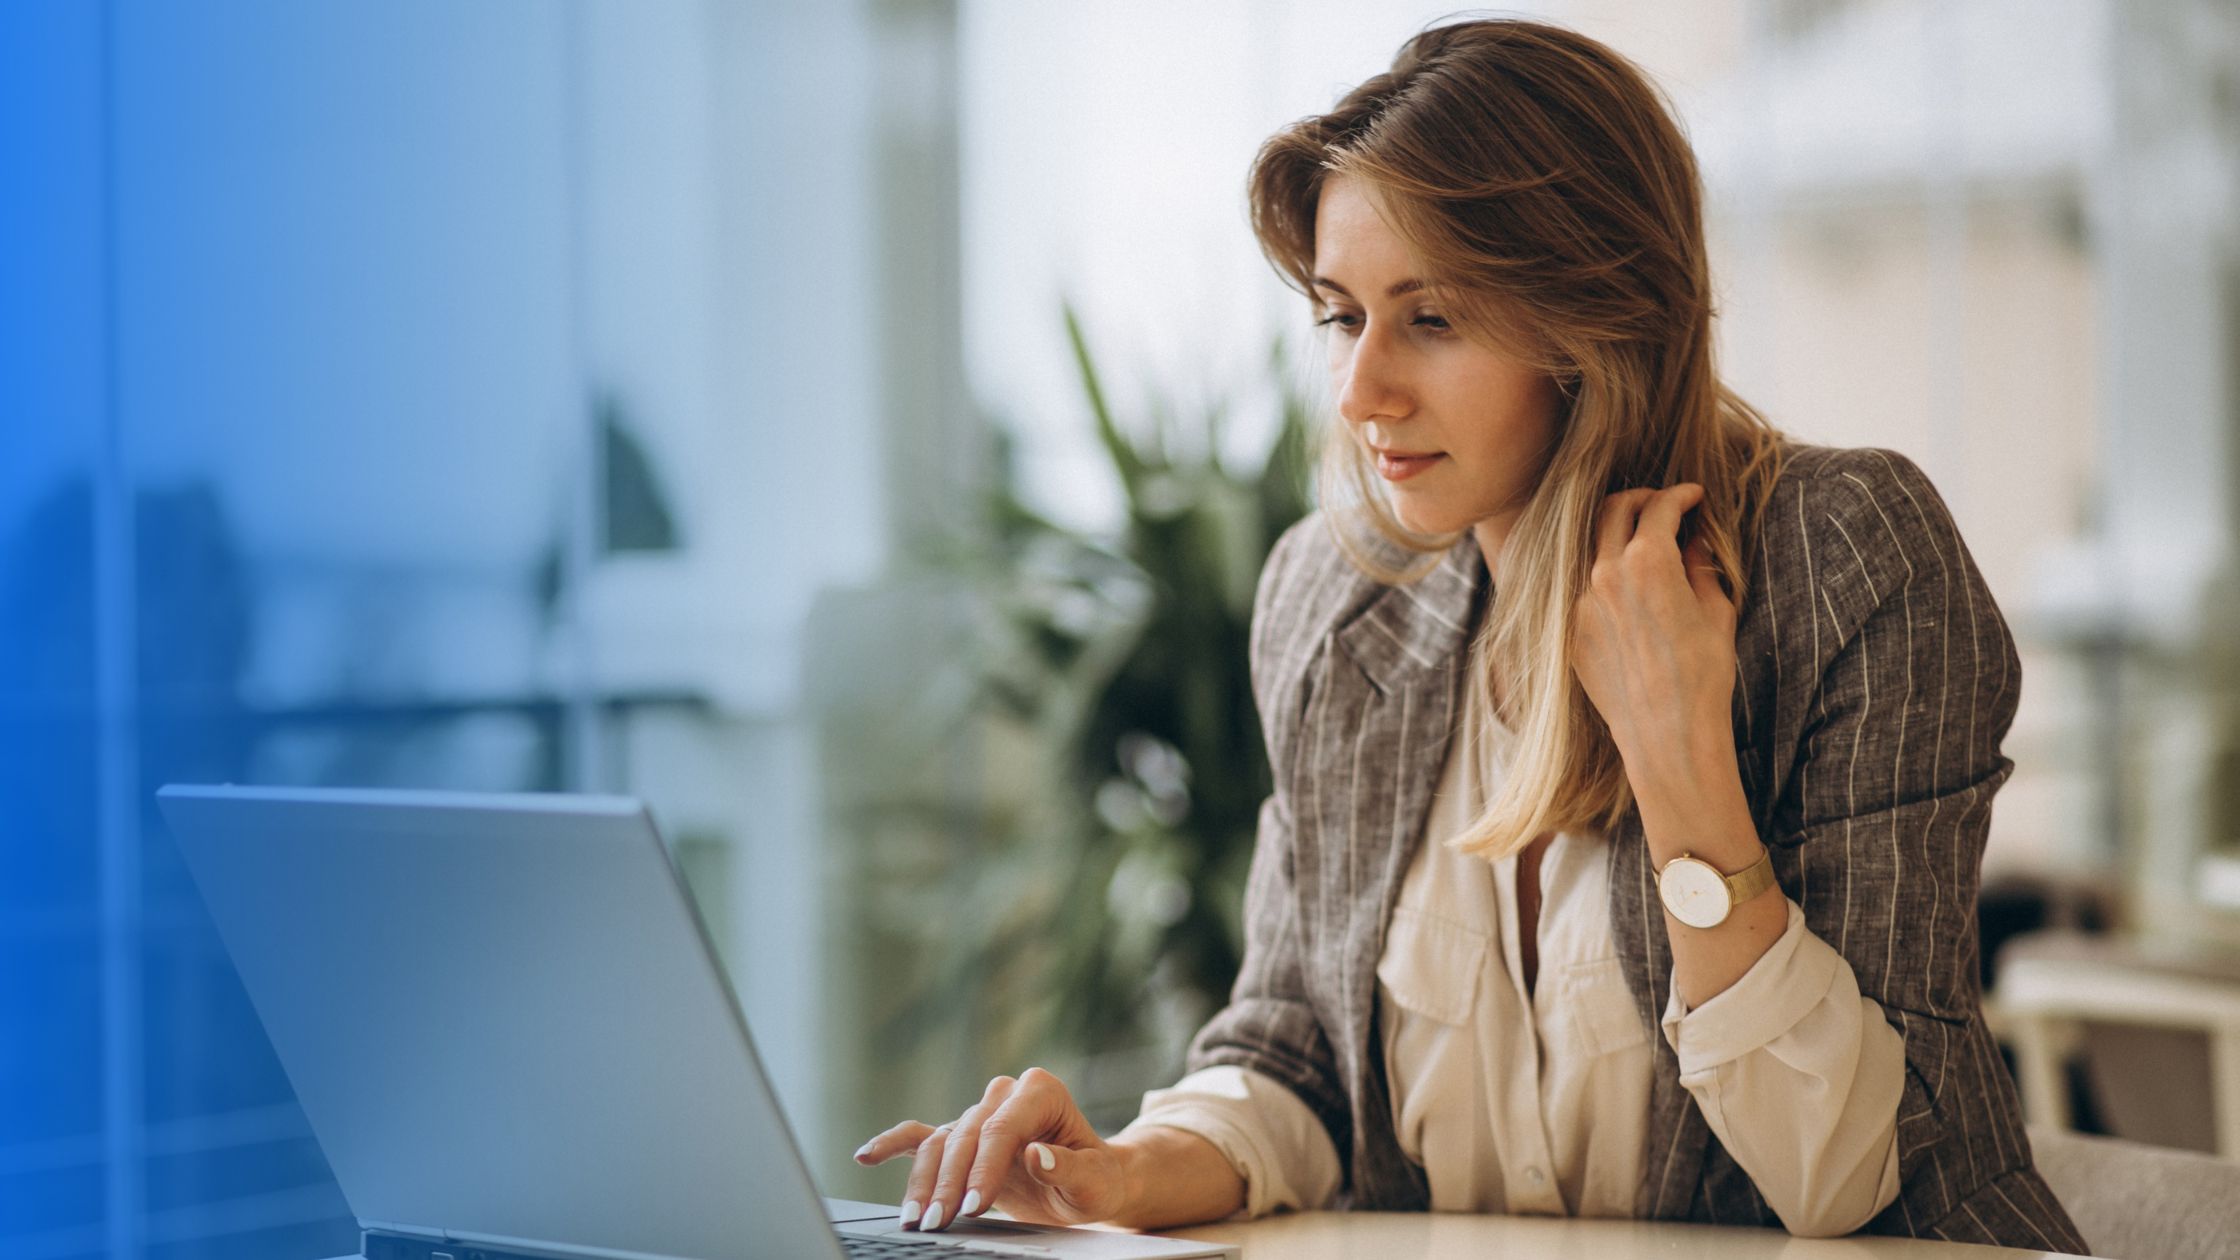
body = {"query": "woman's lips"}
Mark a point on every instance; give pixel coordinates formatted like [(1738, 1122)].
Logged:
[(1395, 467)]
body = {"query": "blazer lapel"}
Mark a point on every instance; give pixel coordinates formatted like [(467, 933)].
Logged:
[(1379, 725), (1380, 719)]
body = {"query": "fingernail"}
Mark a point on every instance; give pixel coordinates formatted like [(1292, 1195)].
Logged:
[(909, 1213), (971, 1203), (933, 1216), (863, 1150), (1042, 1153)]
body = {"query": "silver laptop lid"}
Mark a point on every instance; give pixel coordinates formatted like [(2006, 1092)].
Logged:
[(502, 1018)]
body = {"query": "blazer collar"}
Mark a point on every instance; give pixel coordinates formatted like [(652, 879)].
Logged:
[(1408, 630)]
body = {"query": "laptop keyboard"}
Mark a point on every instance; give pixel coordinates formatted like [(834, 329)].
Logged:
[(892, 1249)]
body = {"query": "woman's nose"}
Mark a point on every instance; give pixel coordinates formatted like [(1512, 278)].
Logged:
[(1370, 384)]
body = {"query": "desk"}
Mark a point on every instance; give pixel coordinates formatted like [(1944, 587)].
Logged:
[(1438, 1235), (1456, 1236)]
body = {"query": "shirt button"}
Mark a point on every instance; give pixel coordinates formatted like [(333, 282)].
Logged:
[(1535, 1176)]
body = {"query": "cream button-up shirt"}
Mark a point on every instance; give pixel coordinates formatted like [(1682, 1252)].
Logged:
[(1536, 1102)]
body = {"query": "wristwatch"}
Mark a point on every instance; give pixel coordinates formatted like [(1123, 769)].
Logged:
[(1699, 895)]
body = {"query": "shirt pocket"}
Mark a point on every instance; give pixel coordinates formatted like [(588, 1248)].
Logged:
[(1603, 1012), (1431, 965)]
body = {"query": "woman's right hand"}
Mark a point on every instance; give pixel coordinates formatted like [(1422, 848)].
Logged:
[(1024, 1148)]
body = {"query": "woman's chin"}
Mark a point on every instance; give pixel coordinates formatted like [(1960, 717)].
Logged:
[(1430, 524)]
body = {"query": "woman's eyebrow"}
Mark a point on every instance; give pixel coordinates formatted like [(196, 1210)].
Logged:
[(1409, 285)]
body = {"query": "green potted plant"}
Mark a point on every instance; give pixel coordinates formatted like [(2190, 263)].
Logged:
[(1126, 767)]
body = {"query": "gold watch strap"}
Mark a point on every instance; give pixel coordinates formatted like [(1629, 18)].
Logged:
[(1752, 879)]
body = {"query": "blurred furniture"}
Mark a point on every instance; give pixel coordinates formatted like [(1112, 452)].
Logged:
[(2134, 1201), (2159, 1035)]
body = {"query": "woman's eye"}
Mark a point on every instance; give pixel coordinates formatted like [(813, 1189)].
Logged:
[(1351, 322)]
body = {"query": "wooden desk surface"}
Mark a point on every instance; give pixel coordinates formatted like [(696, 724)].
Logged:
[(1433, 1236), (1456, 1236)]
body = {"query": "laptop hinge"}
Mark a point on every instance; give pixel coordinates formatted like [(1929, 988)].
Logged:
[(385, 1244), (382, 1241)]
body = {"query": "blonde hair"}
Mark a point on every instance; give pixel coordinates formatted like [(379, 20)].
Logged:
[(1541, 185)]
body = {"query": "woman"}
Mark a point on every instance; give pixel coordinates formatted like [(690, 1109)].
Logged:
[(1706, 722)]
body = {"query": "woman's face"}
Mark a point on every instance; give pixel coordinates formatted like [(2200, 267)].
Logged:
[(1458, 431)]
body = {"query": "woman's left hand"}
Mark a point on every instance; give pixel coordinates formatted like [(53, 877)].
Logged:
[(1653, 633)]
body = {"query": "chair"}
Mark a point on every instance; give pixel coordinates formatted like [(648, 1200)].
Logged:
[(2138, 1202), (2159, 1037)]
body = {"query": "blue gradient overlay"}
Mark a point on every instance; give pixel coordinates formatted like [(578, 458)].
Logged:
[(296, 411)]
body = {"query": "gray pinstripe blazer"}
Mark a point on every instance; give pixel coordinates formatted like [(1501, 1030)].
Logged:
[(1876, 682)]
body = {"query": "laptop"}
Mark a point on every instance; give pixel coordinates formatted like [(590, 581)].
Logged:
[(509, 1032)]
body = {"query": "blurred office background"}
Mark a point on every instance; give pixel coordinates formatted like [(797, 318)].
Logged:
[(678, 399)]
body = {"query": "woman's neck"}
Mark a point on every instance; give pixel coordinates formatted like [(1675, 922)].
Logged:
[(1493, 534)]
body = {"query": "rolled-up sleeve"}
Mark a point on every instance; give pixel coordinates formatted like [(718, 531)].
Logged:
[(1800, 1077), (1271, 1138), (1880, 829)]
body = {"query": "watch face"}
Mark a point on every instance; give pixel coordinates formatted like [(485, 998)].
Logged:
[(1694, 892)]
